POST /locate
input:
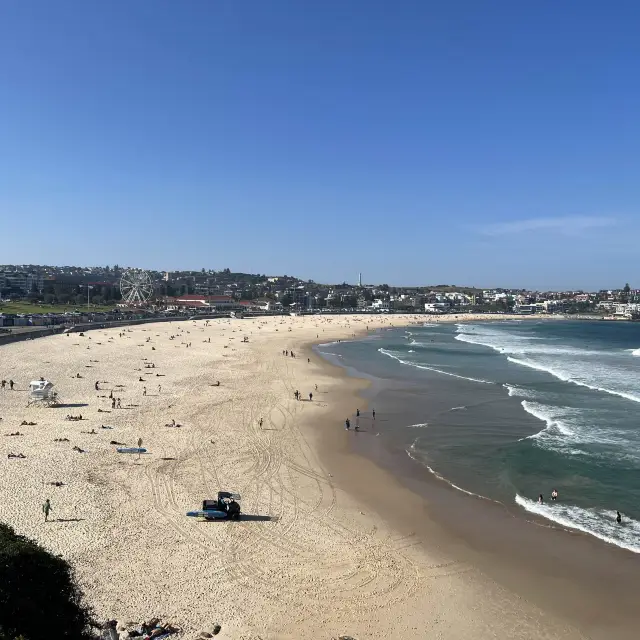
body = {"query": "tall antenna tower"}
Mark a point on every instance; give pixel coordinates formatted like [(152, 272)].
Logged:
[(360, 279)]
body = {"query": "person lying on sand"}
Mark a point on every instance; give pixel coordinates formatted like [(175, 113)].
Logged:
[(16, 455), (104, 426), (122, 444), (24, 423), (93, 432), (56, 484), (61, 439), (17, 433), (79, 450)]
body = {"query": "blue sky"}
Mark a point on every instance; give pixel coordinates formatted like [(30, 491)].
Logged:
[(489, 143)]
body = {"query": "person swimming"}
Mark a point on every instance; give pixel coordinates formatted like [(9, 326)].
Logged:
[(554, 495), (540, 499), (618, 517)]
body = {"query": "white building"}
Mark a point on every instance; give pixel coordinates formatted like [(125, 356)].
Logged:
[(437, 307)]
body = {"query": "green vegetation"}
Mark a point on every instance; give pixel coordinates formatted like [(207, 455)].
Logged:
[(38, 597), (24, 306)]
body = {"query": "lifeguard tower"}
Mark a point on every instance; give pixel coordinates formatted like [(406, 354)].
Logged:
[(41, 392)]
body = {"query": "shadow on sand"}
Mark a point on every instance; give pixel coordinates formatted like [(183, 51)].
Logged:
[(246, 517), (67, 520), (68, 405)]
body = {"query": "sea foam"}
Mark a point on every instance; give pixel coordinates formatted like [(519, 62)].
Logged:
[(424, 366), (595, 522)]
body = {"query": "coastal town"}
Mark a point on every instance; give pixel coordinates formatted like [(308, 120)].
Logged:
[(41, 291)]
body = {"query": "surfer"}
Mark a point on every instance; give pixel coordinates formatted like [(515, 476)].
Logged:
[(618, 517), (554, 495)]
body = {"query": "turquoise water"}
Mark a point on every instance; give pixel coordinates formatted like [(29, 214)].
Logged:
[(509, 410)]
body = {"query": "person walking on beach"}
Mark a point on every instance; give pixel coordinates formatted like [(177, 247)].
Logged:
[(144, 391), (373, 413), (159, 388), (113, 402), (310, 397), (357, 413), (347, 424), (46, 508), (119, 405), (11, 383), (97, 388), (260, 423), (4, 384)]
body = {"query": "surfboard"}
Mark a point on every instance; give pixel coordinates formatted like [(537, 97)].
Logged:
[(131, 450)]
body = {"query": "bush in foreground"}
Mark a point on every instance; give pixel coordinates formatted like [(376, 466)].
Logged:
[(38, 597)]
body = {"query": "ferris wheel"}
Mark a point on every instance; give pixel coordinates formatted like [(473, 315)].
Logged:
[(136, 286)]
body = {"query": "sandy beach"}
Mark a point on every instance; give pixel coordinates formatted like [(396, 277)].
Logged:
[(309, 559)]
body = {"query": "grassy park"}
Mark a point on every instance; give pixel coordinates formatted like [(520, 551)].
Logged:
[(26, 307)]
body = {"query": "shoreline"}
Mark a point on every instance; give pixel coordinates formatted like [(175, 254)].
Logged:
[(567, 571), (330, 544)]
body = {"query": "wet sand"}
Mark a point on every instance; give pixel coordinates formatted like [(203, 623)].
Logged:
[(330, 544), (583, 581)]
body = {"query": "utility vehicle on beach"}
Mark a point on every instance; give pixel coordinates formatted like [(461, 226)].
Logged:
[(225, 507)]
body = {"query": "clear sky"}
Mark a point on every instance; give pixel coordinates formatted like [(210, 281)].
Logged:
[(477, 142)]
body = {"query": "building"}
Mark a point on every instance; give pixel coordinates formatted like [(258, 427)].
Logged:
[(197, 301), (437, 307), (22, 283)]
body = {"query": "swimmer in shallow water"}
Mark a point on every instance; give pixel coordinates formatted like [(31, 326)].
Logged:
[(554, 495), (618, 517)]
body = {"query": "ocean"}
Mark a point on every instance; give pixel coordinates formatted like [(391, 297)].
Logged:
[(510, 410)]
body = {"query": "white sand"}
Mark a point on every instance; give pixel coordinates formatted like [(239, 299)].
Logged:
[(306, 562)]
